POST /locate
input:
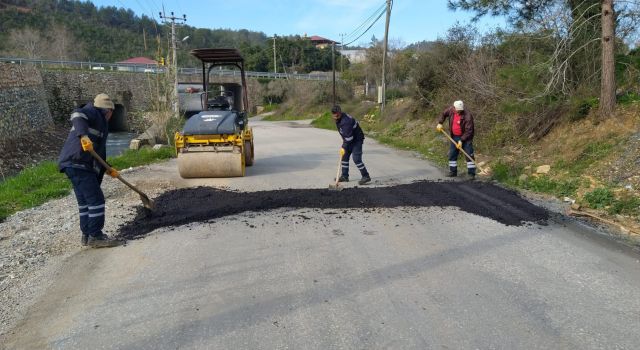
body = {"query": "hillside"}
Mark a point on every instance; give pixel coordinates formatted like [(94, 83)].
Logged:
[(78, 30)]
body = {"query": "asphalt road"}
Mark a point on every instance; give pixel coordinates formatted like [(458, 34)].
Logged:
[(318, 278)]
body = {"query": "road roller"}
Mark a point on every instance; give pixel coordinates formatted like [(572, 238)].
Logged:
[(217, 141)]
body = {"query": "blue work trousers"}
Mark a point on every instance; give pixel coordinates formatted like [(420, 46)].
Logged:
[(86, 186), (467, 146), (356, 151)]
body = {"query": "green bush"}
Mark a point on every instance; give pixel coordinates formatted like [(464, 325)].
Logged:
[(627, 204), (628, 98), (545, 184), (599, 198), (505, 173), (393, 94), (583, 107)]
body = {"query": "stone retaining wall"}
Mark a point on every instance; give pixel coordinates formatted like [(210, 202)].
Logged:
[(23, 101), (67, 90)]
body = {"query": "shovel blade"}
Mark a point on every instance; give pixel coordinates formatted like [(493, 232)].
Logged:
[(148, 203), (335, 187)]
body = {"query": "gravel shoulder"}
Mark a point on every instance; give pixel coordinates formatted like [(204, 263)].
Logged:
[(35, 242)]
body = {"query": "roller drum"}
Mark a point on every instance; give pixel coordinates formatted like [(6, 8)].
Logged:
[(210, 164)]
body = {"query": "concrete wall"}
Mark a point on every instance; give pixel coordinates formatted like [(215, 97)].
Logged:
[(23, 101)]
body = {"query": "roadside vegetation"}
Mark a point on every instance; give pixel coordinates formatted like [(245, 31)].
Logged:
[(43, 182), (535, 90)]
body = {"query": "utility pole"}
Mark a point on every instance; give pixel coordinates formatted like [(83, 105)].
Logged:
[(333, 67), (275, 63), (341, 54), (174, 62), (384, 58)]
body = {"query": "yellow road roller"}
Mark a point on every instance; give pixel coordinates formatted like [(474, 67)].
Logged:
[(217, 141)]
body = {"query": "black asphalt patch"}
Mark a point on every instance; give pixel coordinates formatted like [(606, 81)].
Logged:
[(183, 206)]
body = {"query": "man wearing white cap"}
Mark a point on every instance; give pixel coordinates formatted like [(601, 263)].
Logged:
[(89, 132), (461, 131)]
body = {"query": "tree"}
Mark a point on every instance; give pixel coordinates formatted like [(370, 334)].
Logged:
[(27, 42), (608, 82), (526, 11)]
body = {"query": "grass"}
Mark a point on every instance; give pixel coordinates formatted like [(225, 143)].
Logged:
[(41, 183), (592, 153), (324, 122), (131, 158), (32, 187), (604, 198)]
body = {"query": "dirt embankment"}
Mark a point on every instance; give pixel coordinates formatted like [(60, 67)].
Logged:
[(30, 149)]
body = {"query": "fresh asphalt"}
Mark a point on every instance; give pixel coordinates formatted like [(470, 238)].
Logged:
[(395, 277)]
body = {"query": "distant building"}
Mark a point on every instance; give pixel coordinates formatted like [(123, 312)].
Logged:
[(321, 42), (138, 64), (354, 55)]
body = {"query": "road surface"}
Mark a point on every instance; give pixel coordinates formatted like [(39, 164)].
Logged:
[(424, 276)]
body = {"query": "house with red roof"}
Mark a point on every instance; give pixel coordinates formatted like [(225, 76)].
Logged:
[(321, 42)]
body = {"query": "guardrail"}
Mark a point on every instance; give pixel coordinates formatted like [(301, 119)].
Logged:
[(152, 68)]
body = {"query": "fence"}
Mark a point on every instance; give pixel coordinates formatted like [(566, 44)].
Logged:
[(152, 68)]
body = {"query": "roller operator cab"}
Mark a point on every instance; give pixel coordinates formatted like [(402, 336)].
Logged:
[(217, 141)]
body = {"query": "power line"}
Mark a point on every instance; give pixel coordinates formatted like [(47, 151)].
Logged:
[(366, 21), (363, 33)]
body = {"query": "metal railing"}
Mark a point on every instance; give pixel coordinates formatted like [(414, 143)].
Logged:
[(152, 68)]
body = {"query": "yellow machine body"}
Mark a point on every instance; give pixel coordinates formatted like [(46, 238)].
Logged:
[(217, 141)]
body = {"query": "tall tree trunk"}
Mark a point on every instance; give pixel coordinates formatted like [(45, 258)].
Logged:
[(608, 79)]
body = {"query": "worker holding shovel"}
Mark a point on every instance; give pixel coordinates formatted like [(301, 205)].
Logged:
[(460, 135), (352, 139), (89, 133)]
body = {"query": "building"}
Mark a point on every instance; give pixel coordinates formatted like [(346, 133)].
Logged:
[(321, 42), (354, 55), (138, 64)]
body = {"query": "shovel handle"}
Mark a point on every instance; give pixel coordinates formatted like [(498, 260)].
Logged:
[(106, 166), (465, 153), (339, 163)]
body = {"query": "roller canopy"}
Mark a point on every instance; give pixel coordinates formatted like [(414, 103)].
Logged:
[(218, 55), (212, 123)]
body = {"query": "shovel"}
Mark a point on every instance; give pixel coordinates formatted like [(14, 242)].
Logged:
[(336, 186), (148, 203), (465, 153)]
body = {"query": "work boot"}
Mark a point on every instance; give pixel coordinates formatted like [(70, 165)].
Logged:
[(364, 180), (84, 239), (451, 174), (472, 177), (343, 179), (103, 241)]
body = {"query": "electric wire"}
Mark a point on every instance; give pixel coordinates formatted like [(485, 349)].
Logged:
[(374, 22), (364, 23)]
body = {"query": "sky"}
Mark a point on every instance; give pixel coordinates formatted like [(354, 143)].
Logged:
[(411, 20)]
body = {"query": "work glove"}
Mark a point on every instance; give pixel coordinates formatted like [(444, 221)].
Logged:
[(459, 145), (342, 152), (439, 127), (86, 143), (113, 172)]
